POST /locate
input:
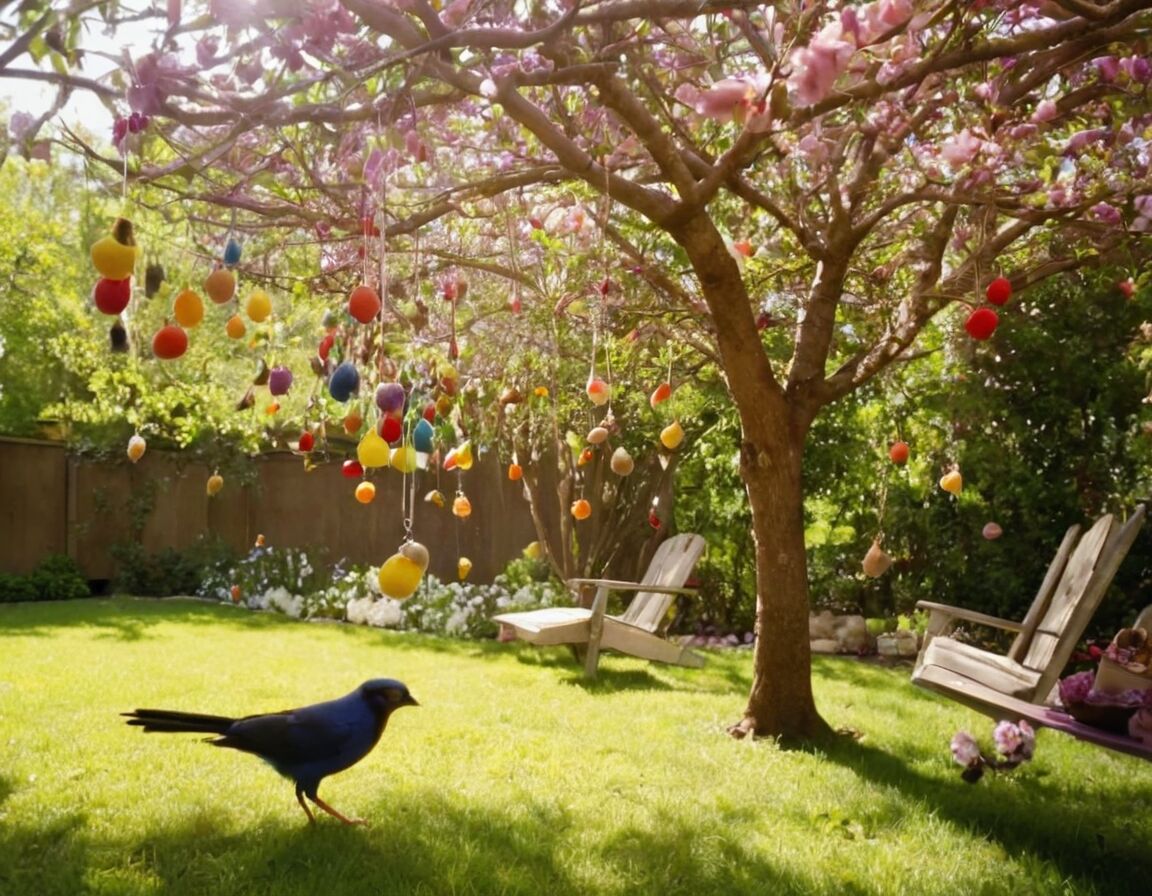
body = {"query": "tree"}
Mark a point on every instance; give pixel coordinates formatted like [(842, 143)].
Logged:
[(812, 181)]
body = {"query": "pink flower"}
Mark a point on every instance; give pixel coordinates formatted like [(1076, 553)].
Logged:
[(962, 148), (1075, 688), (965, 750), (1140, 726), (816, 67), (1045, 110), (722, 99), (1108, 67), (1106, 214), (20, 124)]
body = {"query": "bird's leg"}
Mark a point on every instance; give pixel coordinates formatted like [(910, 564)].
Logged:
[(323, 805), (304, 805)]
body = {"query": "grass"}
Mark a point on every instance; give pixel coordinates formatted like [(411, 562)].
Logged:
[(514, 776)]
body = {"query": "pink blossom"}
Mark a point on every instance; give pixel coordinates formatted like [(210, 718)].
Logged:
[(1045, 110), (20, 124), (722, 99), (1143, 220), (1075, 688), (962, 148), (455, 13), (1140, 726), (1106, 214), (816, 67), (206, 49), (1108, 67), (965, 750), (1137, 68), (1009, 737), (1081, 140)]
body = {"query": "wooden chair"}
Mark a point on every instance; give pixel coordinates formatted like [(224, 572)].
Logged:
[(638, 631), (1022, 682)]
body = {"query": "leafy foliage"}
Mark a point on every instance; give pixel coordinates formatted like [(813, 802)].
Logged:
[(56, 577)]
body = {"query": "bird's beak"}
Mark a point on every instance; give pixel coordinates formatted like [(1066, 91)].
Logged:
[(411, 701)]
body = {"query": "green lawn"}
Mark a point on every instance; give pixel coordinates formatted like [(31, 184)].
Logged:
[(514, 776)]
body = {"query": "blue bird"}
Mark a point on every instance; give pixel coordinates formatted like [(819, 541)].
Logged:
[(306, 744)]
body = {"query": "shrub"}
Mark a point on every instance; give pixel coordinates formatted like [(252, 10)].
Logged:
[(57, 577), (170, 571)]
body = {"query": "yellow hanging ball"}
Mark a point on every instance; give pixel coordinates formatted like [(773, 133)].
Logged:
[(220, 285), (401, 573), (462, 507), (372, 451), (463, 567), (114, 256), (464, 456), (672, 435), (404, 459), (188, 309), (215, 483), (952, 482), (259, 306)]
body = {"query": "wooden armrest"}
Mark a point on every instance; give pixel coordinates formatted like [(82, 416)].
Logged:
[(613, 585), (970, 616)]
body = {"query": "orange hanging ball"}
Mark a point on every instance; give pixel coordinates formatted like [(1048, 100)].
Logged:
[(188, 309), (365, 492), (364, 303), (220, 285), (581, 509)]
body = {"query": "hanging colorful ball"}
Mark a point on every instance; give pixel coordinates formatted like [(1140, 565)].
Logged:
[(373, 451), (214, 484), (999, 291), (390, 397), (621, 462), (279, 380), (401, 573), (351, 469), (532, 551), (991, 531), (112, 296), (220, 285), (235, 327), (898, 453), (188, 308), (515, 472), (364, 304), (365, 492), (114, 256), (429, 412), (952, 482), (585, 457), (391, 429), (463, 454), (462, 507), (307, 442), (982, 323), (170, 342), (435, 497), (259, 306), (136, 447), (404, 459), (463, 567), (422, 436), (325, 346), (598, 391), (581, 509), (352, 422), (876, 561), (672, 435), (660, 394), (344, 381), (597, 435), (232, 252)]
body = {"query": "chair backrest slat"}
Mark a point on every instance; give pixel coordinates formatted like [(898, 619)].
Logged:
[(1043, 597), (1072, 608), (670, 567)]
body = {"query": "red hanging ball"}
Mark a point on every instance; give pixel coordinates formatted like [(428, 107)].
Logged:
[(390, 429), (999, 291), (169, 342), (112, 296), (307, 442), (364, 304), (981, 323), (352, 469)]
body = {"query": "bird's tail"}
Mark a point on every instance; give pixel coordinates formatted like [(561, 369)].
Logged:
[(171, 720)]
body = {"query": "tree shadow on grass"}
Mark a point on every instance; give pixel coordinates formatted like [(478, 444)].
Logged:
[(1064, 823), (427, 842)]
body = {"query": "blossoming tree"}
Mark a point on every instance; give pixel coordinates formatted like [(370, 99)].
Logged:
[(812, 181)]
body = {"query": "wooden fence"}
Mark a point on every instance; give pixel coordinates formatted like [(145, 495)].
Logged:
[(52, 501)]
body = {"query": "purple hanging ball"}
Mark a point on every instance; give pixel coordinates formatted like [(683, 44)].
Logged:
[(279, 380), (390, 397)]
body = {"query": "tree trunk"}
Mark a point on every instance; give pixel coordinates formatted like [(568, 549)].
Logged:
[(781, 701), (774, 425)]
